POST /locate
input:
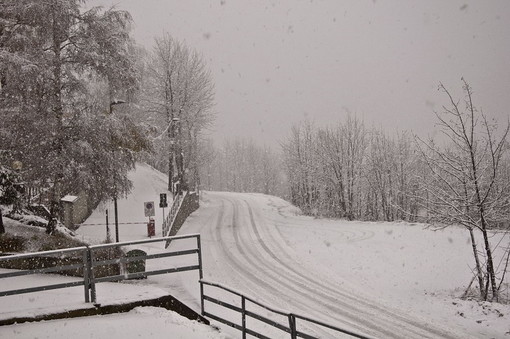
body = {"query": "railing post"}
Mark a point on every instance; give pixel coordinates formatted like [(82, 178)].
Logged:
[(200, 274), (86, 278), (199, 248), (202, 310), (243, 308), (92, 284), (292, 326)]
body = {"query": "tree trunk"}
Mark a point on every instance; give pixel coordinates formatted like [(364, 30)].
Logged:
[(52, 223), (477, 261), (2, 228), (490, 264), (58, 111), (170, 169)]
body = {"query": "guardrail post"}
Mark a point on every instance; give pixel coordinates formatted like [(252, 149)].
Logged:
[(202, 310), (243, 313), (292, 326), (86, 278), (199, 248), (200, 274), (92, 284)]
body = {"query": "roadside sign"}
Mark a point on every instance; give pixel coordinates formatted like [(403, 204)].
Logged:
[(162, 200), (149, 208)]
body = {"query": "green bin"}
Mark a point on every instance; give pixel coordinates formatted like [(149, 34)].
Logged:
[(136, 265)]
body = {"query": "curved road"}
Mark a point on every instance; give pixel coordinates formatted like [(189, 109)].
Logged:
[(244, 249)]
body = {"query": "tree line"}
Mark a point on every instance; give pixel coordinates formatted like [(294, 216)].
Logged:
[(241, 165), (354, 172), (350, 171)]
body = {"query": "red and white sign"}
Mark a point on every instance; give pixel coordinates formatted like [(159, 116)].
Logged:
[(149, 208)]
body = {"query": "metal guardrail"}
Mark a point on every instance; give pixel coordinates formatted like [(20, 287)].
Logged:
[(290, 328), (80, 251), (89, 263)]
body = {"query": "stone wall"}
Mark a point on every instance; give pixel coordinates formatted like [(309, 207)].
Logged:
[(189, 205)]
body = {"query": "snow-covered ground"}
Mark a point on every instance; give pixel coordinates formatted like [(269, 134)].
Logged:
[(148, 183), (389, 280), (385, 279), (141, 322)]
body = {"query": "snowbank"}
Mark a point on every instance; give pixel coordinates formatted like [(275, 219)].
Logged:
[(141, 322)]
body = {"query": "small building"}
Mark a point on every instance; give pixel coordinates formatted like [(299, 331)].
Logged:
[(74, 210)]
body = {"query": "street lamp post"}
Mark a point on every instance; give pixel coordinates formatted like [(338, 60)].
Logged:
[(116, 218), (115, 210)]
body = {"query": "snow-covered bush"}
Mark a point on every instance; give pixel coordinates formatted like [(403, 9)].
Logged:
[(11, 188)]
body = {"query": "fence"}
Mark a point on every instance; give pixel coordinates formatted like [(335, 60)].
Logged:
[(85, 262), (290, 327), (24, 261)]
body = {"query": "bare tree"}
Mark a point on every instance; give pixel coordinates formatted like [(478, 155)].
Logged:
[(242, 166), (391, 185), (351, 172), (302, 167), (341, 154), (465, 186), (179, 90), (381, 177)]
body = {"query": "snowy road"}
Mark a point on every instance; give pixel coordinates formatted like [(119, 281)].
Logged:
[(389, 280), (244, 248)]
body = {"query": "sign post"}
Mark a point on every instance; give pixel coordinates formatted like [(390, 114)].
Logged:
[(163, 203), (149, 212)]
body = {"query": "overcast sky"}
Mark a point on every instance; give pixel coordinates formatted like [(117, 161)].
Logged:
[(276, 63)]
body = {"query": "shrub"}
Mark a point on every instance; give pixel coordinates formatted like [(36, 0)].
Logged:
[(11, 243)]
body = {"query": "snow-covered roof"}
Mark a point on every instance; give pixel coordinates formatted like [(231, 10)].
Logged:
[(69, 198)]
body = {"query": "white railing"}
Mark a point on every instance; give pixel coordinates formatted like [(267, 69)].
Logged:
[(169, 220)]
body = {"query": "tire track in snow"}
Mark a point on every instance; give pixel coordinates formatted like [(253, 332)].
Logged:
[(274, 281), (250, 263), (237, 265), (413, 327), (376, 326), (302, 291)]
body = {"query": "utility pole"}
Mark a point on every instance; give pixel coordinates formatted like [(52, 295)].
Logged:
[(108, 240), (116, 218)]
